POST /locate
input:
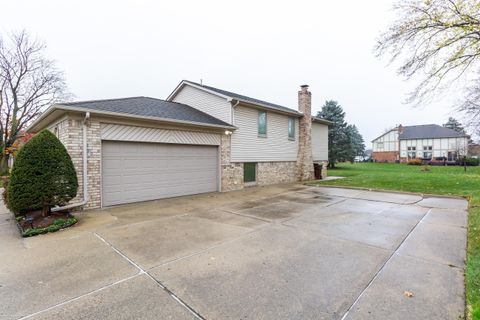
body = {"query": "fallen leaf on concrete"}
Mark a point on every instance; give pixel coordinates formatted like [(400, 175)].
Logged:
[(408, 294)]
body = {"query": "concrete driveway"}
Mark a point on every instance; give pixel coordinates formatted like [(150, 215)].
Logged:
[(281, 252)]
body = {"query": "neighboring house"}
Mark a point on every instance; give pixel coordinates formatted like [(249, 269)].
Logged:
[(474, 150), (419, 142), (201, 139)]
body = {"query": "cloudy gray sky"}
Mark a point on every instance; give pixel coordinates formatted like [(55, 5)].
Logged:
[(263, 49)]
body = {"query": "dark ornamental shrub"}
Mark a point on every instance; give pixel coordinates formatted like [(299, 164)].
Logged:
[(42, 176), (472, 161)]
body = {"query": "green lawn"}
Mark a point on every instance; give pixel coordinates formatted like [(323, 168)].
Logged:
[(436, 180)]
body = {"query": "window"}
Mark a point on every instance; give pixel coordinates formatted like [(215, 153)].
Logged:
[(380, 145), (412, 148), (262, 123), (291, 128), (452, 156), (427, 155), (427, 148), (412, 155), (249, 172)]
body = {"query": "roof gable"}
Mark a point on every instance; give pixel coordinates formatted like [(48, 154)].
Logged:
[(234, 96)]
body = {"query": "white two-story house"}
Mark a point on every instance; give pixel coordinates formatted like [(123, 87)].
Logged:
[(200, 139), (425, 142)]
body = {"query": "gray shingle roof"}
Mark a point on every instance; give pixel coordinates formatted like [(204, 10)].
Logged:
[(149, 107), (427, 131), (245, 98)]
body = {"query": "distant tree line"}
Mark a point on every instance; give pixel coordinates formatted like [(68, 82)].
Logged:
[(344, 140)]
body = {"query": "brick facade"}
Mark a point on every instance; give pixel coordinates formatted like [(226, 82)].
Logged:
[(69, 132), (305, 156), (231, 173), (387, 156), (276, 172)]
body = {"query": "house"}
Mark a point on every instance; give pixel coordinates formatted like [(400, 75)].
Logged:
[(474, 150), (419, 142), (200, 139)]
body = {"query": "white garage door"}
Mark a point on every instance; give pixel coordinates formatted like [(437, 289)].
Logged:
[(136, 171)]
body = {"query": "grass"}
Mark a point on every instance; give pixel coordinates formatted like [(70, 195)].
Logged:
[(429, 180)]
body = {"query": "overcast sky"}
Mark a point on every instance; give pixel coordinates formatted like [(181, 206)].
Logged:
[(263, 49)]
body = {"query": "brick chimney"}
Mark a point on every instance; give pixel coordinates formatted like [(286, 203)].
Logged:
[(400, 129), (304, 157)]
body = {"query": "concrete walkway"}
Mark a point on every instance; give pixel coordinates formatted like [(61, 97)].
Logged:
[(281, 252)]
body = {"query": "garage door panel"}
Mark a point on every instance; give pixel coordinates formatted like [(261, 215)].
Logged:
[(134, 172)]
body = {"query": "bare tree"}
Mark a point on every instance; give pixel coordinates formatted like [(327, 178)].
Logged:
[(29, 83), (470, 106), (437, 40)]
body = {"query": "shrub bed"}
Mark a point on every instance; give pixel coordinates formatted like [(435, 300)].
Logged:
[(43, 176)]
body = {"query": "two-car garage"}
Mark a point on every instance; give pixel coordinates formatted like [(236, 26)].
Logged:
[(136, 171)]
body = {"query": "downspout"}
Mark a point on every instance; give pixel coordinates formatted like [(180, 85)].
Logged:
[(85, 177), (233, 111)]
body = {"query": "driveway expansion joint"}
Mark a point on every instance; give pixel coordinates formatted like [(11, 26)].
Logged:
[(142, 271), (375, 276), (245, 215), (78, 297)]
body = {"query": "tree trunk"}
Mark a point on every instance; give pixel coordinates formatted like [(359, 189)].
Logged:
[(45, 211), (4, 164)]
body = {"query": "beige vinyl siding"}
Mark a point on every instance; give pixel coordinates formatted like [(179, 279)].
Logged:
[(143, 134), (319, 141), (247, 146), (209, 103)]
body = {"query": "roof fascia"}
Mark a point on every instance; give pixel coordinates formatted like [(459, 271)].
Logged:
[(125, 115)]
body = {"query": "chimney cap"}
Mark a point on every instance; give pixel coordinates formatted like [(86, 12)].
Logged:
[(304, 86)]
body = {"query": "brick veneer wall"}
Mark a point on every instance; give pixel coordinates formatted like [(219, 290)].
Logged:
[(276, 172), (231, 172), (69, 132), (387, 156)]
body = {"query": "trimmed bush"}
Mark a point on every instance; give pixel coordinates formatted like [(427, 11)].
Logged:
[(42, 176), (414, 162), (473, 161)]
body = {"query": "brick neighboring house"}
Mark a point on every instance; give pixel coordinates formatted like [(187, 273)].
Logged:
[(474, 150), (419, 142), (200, 139)]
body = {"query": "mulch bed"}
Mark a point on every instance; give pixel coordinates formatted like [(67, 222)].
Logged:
[(34, 223)]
